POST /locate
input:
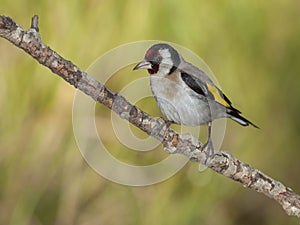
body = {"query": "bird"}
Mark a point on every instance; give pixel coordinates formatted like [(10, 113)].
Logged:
[(184, 93)]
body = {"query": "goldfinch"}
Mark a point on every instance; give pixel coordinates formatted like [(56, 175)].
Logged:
[(184, 93)]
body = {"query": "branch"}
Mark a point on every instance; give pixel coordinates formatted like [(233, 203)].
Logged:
[(221, 162)]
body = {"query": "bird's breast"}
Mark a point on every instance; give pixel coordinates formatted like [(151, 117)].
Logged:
[(178, 102)]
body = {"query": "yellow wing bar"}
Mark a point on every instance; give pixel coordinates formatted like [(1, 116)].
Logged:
[(218, 96)]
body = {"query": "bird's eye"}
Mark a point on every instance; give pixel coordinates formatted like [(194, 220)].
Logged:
[(154, 69)]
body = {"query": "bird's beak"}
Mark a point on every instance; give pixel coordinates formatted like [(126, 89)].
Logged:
[(143, 65)]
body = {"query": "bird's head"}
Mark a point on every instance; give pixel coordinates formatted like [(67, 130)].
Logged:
[(160, 59)]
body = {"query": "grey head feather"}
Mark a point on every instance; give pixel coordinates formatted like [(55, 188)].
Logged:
[(153, 50)]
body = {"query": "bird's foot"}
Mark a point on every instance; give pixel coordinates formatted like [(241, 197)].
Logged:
[(208, 148), (169, 123)]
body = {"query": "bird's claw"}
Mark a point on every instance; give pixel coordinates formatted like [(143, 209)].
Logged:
[(169, 123)]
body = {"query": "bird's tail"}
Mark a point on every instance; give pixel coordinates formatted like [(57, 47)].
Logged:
[(235, 115)]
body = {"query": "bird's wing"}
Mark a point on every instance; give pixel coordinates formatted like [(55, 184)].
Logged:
[(200, 82), (208, 90), (211, 92)]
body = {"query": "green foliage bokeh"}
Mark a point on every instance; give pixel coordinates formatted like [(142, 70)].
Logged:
[(253, 48)]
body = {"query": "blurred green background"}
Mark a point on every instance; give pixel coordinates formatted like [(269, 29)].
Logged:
[(253, 48)]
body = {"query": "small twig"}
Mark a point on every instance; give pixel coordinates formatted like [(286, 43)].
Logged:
[(35, 23), (221, 162)]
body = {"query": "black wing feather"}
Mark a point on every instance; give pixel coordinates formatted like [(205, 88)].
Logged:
[(194, 83)]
